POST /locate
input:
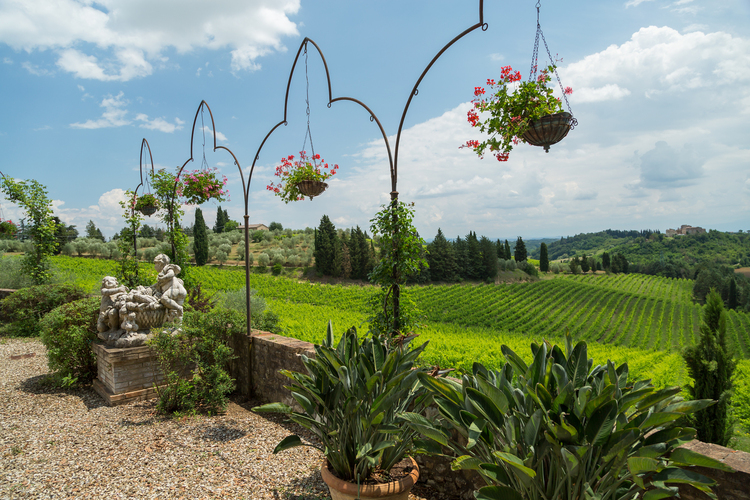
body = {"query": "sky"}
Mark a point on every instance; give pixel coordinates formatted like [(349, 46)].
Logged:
[(661, 92)]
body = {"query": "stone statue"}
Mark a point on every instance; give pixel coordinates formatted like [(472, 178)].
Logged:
[(127, 316)]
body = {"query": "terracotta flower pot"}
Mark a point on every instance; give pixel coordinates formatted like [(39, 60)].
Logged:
[(548, 130), (345, 490), (311, 188)]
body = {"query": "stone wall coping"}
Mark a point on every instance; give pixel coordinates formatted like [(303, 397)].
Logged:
[(122, 353), (736, 459)]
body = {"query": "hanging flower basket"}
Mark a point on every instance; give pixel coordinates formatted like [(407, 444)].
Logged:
[(548, 130), (147, 204), (302, 177), (312, 188), (7, 228), (200, 186), (513, 109)]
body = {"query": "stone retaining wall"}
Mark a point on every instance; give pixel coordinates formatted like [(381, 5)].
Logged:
[(4, 292), (265, 354)]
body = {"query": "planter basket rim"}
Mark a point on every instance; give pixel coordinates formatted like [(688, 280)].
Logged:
[(549, 129), (311, 188), (371, 490)]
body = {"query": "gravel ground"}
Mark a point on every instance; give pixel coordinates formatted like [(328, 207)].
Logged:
[(68, 444)]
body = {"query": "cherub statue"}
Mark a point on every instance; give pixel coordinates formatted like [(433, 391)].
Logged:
[(109, 315)]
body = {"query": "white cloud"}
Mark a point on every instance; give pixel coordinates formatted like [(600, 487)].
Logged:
[(661, 60), (7, 60), (609, 92), (46, 127), (219, 136), (36, 70), (635, 3), (113, 40), (159, 124), (113, 116)]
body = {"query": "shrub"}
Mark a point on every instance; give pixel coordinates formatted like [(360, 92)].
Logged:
[(263, 319), (264, 259), (276, 269), (11, 274), (194, 361), (67, 332), (26, 307)]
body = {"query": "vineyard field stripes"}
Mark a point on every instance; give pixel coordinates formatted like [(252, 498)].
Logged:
[(632, 311)]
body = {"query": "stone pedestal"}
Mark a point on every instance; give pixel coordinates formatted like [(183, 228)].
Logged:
[(126, 374)]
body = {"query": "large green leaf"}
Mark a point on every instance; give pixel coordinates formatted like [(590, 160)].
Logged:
[(425, 427), (288, 442), (601, 424), (273, 408), (485, 406), (496, 473), (639, 465), (682, 476), (690, 406), (577, 368), (495, 394), (515, 463), (656, 397), (497, 493), (659, 493), (532, 427), (659, 418), (444, 387), (466, 462), (515, 360), (683, 456)]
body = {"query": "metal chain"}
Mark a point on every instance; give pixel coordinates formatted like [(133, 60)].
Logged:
[(535, 62), (308, 133)]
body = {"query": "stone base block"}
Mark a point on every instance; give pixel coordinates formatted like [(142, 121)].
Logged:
[(126, 374)]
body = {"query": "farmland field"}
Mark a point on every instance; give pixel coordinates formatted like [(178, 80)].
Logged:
[(644, 320)]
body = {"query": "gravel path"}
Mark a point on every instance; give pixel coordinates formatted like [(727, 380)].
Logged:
[(69, 444)]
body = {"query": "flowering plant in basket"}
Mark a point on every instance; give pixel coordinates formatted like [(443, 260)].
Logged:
[(199, 186), (146, 202), (7, 228), (511, 107), (292, 172)]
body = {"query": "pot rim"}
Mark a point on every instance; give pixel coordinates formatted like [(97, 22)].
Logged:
[(370, 490)]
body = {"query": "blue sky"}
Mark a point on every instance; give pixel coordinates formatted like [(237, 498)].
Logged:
[(661, 93)]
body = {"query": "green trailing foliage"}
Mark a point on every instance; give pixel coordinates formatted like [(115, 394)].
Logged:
[(561, 428), (711, 366), (67, 332), (350, 398), (25, 308), (40, 226), (401, 254), (194, 361)]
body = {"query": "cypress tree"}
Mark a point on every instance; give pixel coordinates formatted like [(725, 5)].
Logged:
[(442, 259), (219, 225), (326, 246), (489, 259), (606, 262), (507, 250), (473, 257), (520, 250), (459, 247), (585, 264), (200, 239), (543, 258), (732, 299), (711, 366)]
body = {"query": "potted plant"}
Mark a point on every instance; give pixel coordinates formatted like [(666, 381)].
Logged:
[(303, 177), (7, 228), (564, 429), (147, 204), (199, 186), (350, 399), (518, 112)]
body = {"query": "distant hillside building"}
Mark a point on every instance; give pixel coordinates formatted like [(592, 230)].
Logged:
[(253, 227), (685, 229)]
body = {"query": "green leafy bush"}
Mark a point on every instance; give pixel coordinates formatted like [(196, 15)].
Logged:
[(194, 361), (11, 274), (26, 307), (563, 428), (67, 332)]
